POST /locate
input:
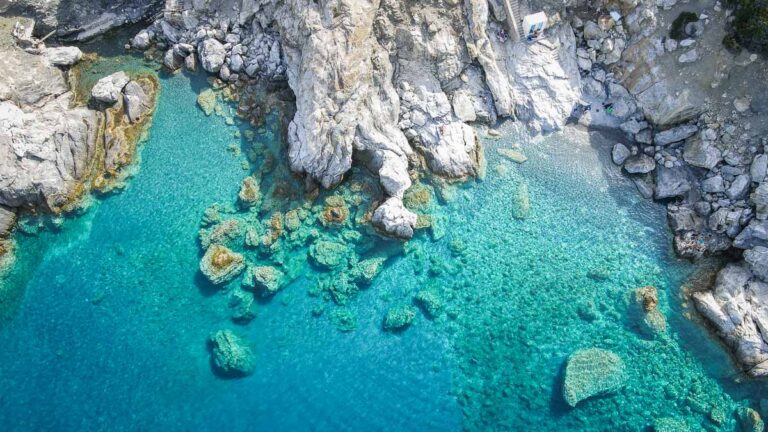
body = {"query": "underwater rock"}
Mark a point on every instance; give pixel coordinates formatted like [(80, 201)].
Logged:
[(268, 279), (329, 254), (335, 211), (108, 89), (430, 302), (250, 193), (220, 265), (399, 318), (749, 420), (394, 219), (221, 233), (344, 320), (366, 270), (521, 206), (668, 424), (231, 355), (592, 372), (418, 197), (243, 306), (207, 101), (513, 155), (653, 320)]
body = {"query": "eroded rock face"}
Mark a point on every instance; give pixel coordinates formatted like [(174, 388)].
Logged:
[(738, 308)]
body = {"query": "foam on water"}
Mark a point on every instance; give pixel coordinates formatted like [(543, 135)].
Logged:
[(108, 315)]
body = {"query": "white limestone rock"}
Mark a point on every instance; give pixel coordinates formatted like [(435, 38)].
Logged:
[(108, 89), (63, 56), (394, 219), (212, 55)]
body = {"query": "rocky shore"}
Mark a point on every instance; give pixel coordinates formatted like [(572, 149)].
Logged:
[(53, 150), (395, 87)]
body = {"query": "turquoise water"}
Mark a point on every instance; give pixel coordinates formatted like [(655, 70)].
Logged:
[(109, 327)]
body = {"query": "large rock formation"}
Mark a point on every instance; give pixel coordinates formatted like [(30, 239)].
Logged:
[(342, 60)]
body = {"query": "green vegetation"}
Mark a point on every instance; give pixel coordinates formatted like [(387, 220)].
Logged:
[(750, 25)]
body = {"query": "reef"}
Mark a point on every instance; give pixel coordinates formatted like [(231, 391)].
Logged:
[(399, 318), (231, 355)]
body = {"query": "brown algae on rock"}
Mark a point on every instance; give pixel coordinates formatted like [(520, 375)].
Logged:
[(220, 264)]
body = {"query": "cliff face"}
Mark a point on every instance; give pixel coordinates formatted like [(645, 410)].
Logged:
[(78, 19), (380, 81)]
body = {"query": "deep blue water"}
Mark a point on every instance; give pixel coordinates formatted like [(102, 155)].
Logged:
[(110, 330)]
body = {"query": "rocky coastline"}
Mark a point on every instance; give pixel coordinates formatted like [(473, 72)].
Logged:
[(55, 149), (397, 86)]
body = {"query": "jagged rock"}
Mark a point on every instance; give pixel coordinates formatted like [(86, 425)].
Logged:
[(700, 153), (757, 258), (759, 198), (212, 55), (675, 134), (172, 60), (108, 89), (220, 264), (713, 184), (758, 168), (639, 164), (739, 187), (137, 102), (671, 182), (592, 372), (620, 153), (736, 307), (754, 234), (394, 219), (231, 355), (7, 221), (142, 40), (63, 56)]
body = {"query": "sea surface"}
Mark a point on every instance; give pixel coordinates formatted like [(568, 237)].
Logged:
[(106, 315)]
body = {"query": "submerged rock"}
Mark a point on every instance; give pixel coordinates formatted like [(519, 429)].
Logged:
[(399, 318), (220, 264), (250, 193), (430, 302), (513, 155), (267, 279), (329, 254), (592, 372), (207, 101), (231, 355)]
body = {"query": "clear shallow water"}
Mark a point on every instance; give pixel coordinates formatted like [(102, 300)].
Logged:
[(109, 332)]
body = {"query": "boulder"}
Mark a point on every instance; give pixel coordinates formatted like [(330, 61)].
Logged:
[(639, 164), (108, 89), (394, 219), (739, 187), (713, 184), (220, 264), (63, 56), (671, 182), (137, 102), (754, 234), (759, 198), (592, 372), (206, 100), (212, 55), (142, 40), (675, 134), (700, 153), (620, 153), (758, 168), (757, 258), (172, 60), (231, 355), (688, 56)]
